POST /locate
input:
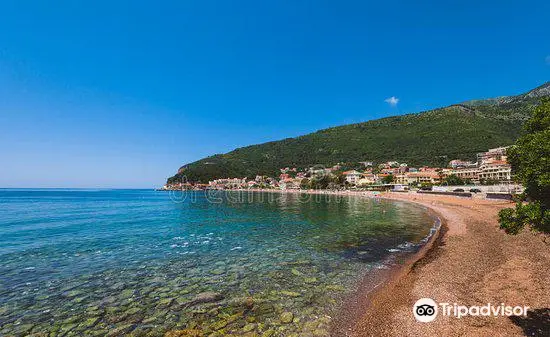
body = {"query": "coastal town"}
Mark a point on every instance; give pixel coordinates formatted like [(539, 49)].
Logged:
[(490, 168)]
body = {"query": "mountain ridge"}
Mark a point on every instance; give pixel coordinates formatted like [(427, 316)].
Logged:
[(430, 137)]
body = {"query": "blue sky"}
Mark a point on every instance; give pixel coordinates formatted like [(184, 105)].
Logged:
[(122, 93)]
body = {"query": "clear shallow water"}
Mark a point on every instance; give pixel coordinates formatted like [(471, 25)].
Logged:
[(101, 262)]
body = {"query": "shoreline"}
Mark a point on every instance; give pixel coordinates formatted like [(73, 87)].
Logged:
[(470, 262), (369, 296), (374, 283)]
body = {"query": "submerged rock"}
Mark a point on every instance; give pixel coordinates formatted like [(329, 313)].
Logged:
[(264, 308), (310, 280), (90, 322), (249, 327), (269, 333), (121, 330), (219, 325), (205, 297), (296, 272), (184, 333), (286, 317), (166, 301)]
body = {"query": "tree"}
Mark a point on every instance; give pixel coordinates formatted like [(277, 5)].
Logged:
[(453, 180), (304, 184), (388, 179), (530, 161), (338, 178)]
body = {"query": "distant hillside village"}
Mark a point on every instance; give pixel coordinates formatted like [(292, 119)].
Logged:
[(490, 168)]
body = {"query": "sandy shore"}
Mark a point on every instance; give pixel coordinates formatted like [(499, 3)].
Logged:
[(471, 263)]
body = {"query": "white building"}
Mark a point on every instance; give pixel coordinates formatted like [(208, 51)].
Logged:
[(352, 176), (496, 170)]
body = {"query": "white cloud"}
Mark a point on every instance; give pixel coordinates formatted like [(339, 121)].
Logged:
[(392, 101), (548, 60)]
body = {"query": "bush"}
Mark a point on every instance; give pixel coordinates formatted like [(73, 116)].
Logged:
[(530, 160), (453, 180)]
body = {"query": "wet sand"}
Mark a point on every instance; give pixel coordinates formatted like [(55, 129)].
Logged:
[(472, 262)]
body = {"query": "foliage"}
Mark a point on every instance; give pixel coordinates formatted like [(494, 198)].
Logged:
[(324, 181), (453, 180), (388, 179), (304, 184), (530, 160)]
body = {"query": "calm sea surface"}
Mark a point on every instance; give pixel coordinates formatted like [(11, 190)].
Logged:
[(140, 262)]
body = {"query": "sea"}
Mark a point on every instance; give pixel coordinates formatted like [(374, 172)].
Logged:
[(98, 262)]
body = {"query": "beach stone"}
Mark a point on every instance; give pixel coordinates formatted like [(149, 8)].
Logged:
[(115, 318), (132, 311), (108, 300), (206, 297), (249, 327), (121, 330), (213, 311), (68, 327), (184, 333), (38, 334), (166, 301), (246, 302), (182, 300), (310, 325), (249, 302), (219, 324), (286, 317), (296, 272), (250, 334), (156, 317), (268, 333), (79, 299), (264, 308), (92, 308), (218, 271), (126, 293), (90, 322), (71, 319), (25, 328), (73, 293), (199, 311), (38, 298)]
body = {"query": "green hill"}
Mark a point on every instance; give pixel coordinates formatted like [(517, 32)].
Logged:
[(428, 138)]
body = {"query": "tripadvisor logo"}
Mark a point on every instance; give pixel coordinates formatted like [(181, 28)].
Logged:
[(426, 310)]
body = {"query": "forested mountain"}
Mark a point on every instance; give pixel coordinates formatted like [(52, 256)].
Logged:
[(427, 138)]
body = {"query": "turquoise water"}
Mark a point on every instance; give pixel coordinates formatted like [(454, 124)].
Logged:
[(143, 263)]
